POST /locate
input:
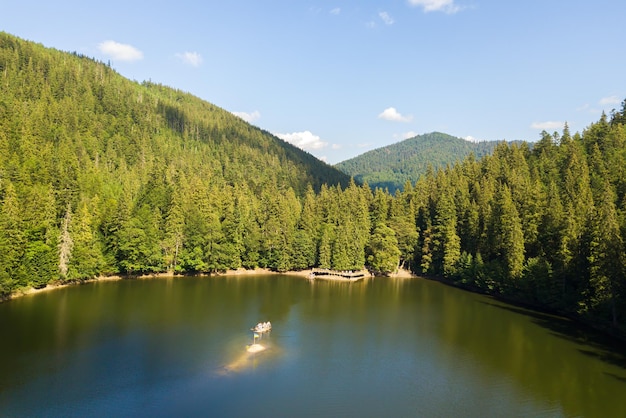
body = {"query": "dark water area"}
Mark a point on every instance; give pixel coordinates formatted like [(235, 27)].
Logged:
[(380, 347)]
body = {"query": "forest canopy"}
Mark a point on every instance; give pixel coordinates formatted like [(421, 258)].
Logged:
[(392, 166), (100, 175)]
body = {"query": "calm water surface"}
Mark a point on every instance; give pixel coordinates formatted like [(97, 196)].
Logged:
[(382, 347)]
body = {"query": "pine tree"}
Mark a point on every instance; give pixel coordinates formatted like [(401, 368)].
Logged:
[(40, 262), (508, 237), (308, 230), (86, 260), (383, 252), (327, 237), (65, 243), (402, 221), (606, 256), (139, 237), (173, 239), (578, 202), (12, 240), (446, 242)]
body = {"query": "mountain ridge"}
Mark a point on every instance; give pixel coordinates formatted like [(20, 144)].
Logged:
[(91, 88), (102, 175), (393, 165)]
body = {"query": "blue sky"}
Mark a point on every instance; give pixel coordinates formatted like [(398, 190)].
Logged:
[(341, 77)]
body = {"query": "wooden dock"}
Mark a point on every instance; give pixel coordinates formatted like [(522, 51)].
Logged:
[(350, 276)]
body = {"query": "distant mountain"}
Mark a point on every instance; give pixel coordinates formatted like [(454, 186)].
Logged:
[(392, 166)]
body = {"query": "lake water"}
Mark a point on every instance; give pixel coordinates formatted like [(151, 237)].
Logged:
[(380, 347)]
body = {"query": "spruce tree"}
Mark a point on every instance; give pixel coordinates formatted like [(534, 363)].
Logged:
[(606, 257), (508, 237)]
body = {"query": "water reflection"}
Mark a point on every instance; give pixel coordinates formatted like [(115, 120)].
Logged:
[(246, 358), (379, 347)]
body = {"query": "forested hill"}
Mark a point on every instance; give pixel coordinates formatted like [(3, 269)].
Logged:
[(100, 174), (77, 111), (392, 166)]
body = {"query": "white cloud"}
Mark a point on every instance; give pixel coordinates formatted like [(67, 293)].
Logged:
[(446, 6), (393, 115), (120, 52), (335, 11), (470, 138), (192, 58), (248, 117), (335, 146), (610, 100), (305, 140), (386, 18), (547, 125)]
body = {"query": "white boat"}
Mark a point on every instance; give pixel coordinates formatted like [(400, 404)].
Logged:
[(263, 327)]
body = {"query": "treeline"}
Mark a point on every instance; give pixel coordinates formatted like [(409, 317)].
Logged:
[(392, 166), (100, 175), (545, 225)]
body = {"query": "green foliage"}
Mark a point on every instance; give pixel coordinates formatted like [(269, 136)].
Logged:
[(545, 226), (506, 233), (100, 175), (606, 257), (446, 242), (392, 166), (384, 255), (86, 259), (12, 241)]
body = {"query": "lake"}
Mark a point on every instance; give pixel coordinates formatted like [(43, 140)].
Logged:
[(379, 347)]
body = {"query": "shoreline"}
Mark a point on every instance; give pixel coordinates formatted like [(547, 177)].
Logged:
[(581, 322), (228, 273), (612, 333), (50, 287)]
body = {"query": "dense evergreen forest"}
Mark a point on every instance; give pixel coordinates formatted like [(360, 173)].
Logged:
[(392, 166), (100, 175), (544, 225)]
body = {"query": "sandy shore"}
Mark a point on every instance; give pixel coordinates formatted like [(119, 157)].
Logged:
[(403, 274), (239, 272), (31, 290)]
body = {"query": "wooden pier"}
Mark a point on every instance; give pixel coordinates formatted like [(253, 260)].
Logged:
[(350, 276)]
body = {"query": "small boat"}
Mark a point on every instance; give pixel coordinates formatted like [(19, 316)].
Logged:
[(263, 327)]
